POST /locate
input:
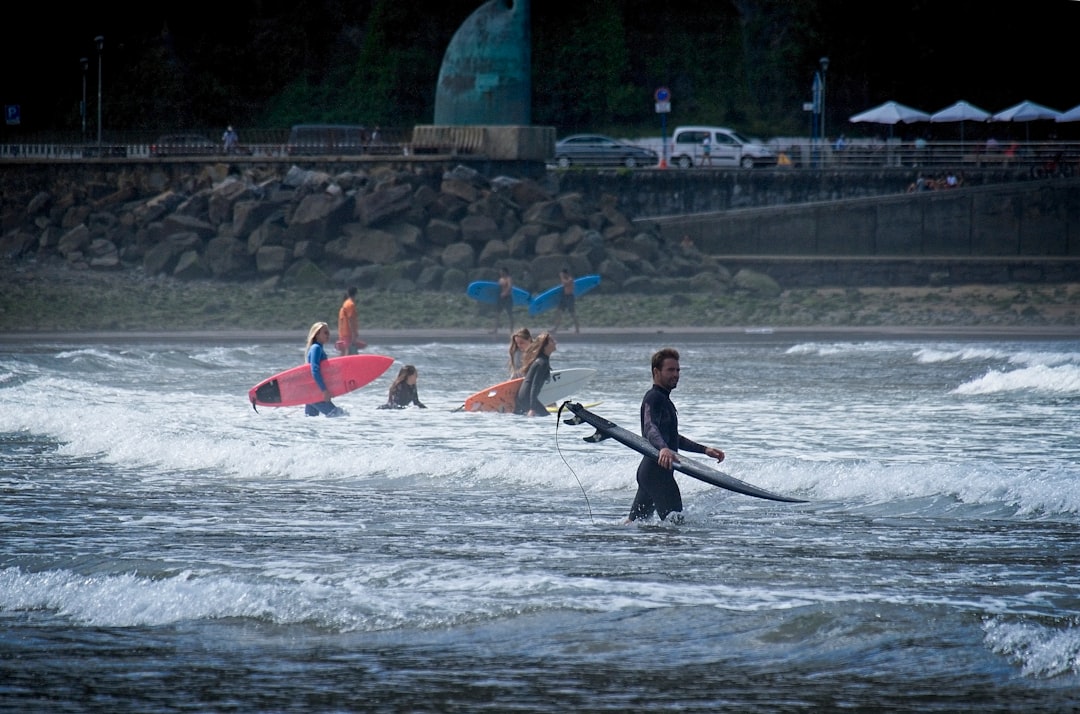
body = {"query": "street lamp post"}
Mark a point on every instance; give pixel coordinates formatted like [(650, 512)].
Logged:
[(824, 62), (85, 62), (100, 42)]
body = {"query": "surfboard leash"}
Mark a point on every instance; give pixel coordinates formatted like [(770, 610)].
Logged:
[(558, 418)]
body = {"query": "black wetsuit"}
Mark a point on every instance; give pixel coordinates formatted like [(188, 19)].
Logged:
[(657, 490), (528, 396), (402, 396)]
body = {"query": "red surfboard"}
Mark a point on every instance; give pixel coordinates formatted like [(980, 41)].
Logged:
[(501, 397), (296, 386)]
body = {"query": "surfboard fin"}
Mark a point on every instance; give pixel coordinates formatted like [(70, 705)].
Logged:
[(596, 438)]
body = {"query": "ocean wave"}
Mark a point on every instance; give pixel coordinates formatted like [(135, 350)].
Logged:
[(1041, 651), (1063, 379)]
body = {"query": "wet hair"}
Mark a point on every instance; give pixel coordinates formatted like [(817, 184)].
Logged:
[(535, 348), (403, 374), (514, 349), (660, 355), (351, 292)]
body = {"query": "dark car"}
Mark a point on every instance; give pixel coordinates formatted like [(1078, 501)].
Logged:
[(184, 145), (599, 150)]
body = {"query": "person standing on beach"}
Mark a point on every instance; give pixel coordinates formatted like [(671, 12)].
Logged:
[(506, 299), (566, 300), (537, 363), (657, 490), (348, 325), (318, 336)]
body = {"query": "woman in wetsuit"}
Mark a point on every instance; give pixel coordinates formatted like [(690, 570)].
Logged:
[(537, 364)]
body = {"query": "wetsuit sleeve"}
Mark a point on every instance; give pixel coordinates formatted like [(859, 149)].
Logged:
[(315, 355), (416, 398), (690, 445), (649, 428)]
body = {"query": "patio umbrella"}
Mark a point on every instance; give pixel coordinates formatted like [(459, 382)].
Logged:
[(890, 113), (1070, 115), (1026, 112), (960, 112)]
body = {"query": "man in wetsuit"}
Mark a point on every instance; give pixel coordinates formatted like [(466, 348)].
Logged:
[(657, 491)]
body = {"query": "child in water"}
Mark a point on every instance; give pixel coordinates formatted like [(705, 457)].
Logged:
[(403, 390)]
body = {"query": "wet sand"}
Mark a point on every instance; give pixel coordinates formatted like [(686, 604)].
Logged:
[(673, 335)]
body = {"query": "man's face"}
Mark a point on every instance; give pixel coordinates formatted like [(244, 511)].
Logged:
[(668, 374)]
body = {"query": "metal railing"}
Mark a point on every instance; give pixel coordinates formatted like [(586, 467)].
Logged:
[(272, 143), (1041, 158)]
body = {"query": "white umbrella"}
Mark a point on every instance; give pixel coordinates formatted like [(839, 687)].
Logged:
[(1026, 112), (1070, 115), (891, 113), (960, 112)]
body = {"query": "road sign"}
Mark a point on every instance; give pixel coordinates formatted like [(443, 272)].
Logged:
[(662, 95), (663, 107), (12, 114)]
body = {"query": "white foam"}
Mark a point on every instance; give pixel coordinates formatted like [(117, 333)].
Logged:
[(1041, 651)]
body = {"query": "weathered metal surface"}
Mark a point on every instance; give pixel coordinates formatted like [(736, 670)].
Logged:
[(486, 72)]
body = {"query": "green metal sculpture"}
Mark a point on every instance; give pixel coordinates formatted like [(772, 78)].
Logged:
[(485, 78)]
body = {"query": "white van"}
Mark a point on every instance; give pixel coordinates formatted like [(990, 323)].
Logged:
[(725, 147)]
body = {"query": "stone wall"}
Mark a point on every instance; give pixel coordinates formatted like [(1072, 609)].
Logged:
[(424, 226), (437, 223)]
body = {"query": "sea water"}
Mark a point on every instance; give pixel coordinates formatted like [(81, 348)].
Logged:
[(164, 547)]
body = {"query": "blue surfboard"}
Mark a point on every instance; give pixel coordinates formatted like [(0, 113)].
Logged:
[(549, 299), (487, 291)]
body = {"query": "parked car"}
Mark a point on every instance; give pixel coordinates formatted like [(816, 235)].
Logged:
[(599, 150), (727, 148), (184, 145), (327, 140)]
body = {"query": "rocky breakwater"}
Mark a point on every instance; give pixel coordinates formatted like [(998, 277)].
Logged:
[(392, 229)]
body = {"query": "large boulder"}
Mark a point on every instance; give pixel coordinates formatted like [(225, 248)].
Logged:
[(757, 283), (162, 256), (248, 215), (383, 204), (479, 230), (227, 257), (74, 240), (317, 217), (459, 256), (191, 266), (364, 245)]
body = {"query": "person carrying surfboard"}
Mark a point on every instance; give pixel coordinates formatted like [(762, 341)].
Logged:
[(657, 490), (506, 300), (348, 325), (537, 364), (566, 300), (318, 336)]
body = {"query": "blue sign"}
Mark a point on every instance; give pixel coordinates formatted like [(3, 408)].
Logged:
[(12, 114), (662, 95)]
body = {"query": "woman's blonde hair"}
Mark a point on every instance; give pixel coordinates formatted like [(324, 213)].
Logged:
[(313, 333)]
